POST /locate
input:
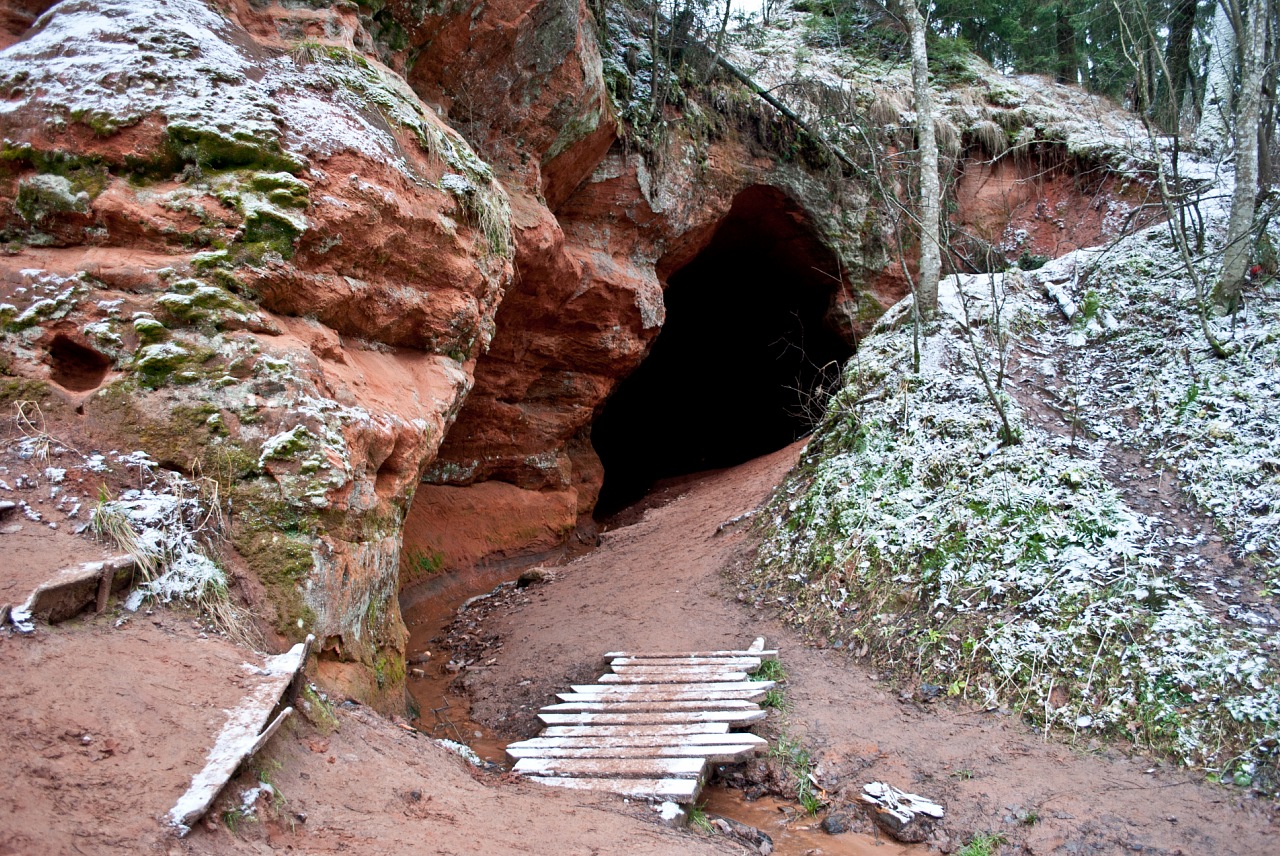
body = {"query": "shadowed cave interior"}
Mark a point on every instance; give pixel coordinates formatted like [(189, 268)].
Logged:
[(744, 346)]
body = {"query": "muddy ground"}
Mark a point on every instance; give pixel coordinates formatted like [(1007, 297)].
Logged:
[(665, 583), (108, 719)]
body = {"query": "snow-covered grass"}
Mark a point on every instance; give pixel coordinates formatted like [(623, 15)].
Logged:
[(169, 527), (1020, 574), (1151, 382)]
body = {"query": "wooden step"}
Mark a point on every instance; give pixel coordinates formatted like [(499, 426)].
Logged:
[(686, 673), (737, 717), (627, 768), (715, 753), (606, 705), (745, 663), (683, 791), (662, 694), (587, 741), (636, 730), (670, 655), (689, 686)]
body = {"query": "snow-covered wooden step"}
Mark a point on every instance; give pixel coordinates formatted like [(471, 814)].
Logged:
[(622, 768), (650, 741), (694, 687), (700, 675), (242, 735), (717, 753), (676, 790), (636, 730), (659, 693), (744, 663), (651, 717), (604, 705)]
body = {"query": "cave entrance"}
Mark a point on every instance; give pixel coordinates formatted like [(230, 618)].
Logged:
[(746, 343)]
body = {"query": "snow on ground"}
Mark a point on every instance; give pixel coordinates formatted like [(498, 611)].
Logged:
[(1022, 574)]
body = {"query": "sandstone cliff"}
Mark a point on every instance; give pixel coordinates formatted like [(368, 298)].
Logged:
[(375, 268)]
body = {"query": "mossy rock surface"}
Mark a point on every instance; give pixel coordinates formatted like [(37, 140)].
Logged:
[(281, 562)]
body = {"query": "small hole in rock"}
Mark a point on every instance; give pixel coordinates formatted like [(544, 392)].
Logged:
[(75, 367)]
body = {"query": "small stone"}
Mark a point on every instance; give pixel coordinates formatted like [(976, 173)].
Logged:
[(531, 576), (836, 823), (11, 529)]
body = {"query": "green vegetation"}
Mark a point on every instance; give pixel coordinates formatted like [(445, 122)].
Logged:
[(982, 844), (417, 564), (699, 821), (212, 150), (1012, 574), (281, 562), (770, 670)]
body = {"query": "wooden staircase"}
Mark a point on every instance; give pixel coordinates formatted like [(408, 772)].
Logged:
[(652, 726)]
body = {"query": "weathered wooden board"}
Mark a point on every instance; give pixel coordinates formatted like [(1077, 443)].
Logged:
[(678, 790), (688, 687), (716, 753), (664, 694), (604, 705), (71, 591), (745, 663), (671, 678), (660, 674), (651, 717), (636, 730), (643, 740), (675, 655), (629, 768), (241, 736)]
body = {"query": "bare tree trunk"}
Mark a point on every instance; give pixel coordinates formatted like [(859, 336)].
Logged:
[(1235, 259), (1212, 133), (930, 203)]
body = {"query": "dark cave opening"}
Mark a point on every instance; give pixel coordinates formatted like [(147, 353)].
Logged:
[(75, 367), (745, 344)]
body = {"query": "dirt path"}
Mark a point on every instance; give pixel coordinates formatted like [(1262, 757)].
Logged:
[(657, 584), (150, 693)]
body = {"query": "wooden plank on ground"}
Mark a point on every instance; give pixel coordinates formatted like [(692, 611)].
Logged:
[(690, 686), (659, 694), (715, 753), (673, 678), (687, 673), (651, 717), (745, 663), (606, 705), (590, 740), (629, 768), (636, 730), (241, 736), (670, 655), (727, 683), (677, 790)]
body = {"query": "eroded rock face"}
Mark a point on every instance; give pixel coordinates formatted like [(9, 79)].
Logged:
[(262, 260), (240, 242)]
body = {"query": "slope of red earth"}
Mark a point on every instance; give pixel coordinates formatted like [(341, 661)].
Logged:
[(108, 719), (665, 582)]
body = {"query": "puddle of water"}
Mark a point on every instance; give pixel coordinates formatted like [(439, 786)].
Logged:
[(428, 609), (795, 833)]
